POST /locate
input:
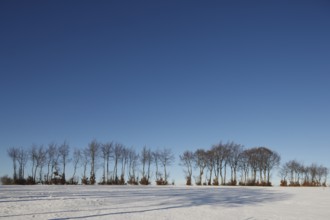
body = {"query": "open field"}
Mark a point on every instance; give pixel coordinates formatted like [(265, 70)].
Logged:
[(172, 202)]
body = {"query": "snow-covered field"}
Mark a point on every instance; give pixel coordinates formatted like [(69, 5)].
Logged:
[(171, 202)]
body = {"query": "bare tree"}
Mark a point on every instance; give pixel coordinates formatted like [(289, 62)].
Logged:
[(187, 159), (324, 172), (124, 160), (146, 160), (221, 153), (63, 151), (33, 154), (41, 161), (272, 162), (253, 160), (85, 161), (133, 159), (76, 158), (93, 148), (226, 159), (22, 159), (283, 173), (117, 153), (156, 156), (244, 167), (235, 152), (106, 150), (210, 164), (166, 158), (52, 153), (200, 163), (13, 153)]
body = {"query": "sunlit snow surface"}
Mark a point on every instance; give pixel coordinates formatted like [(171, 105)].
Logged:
[(171, 202)]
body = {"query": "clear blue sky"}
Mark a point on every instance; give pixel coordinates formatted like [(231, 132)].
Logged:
[(176, 74)]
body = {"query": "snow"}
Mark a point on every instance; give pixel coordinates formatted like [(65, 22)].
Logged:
[(170, 202)]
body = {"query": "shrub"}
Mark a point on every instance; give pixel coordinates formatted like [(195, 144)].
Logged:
[(30, 181), (313, 183), (294, 183), (72, 181), (110, 181), (20, 181), (144, 181), (188, 181), (161, 182), (6, 180), (133, 181), (63, 179), (284, 183), (265, 184), (232, 183), (215, 182), (251, 183), (84, 181), (122, 180), (198, 183), (92, 179)]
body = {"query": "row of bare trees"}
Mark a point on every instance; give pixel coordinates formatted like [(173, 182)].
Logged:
[(254, 165), (120, 165), (45, 162), (294, 173)]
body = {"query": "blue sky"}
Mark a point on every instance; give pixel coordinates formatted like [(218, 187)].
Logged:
[(176, 74)]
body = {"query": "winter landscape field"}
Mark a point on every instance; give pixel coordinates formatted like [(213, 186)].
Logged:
[(170, 202)]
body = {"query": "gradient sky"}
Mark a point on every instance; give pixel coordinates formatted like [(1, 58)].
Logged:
[(176, 74)]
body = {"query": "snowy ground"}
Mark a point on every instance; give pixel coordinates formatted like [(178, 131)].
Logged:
[(152, 202)]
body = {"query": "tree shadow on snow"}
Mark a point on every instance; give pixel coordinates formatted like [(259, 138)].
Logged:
[(173, 198)]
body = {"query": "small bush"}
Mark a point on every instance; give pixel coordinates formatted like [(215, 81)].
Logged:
[(241, 183), (188, 181), (284, 183), (295, 184), (30, 181), (6, 180), (20, 181), (63, 179), (232, 183), (92, 179), (133, 181), (198, 183), (251, 183), (313, 183), (161, 182), (144, 181), (84, 181), (254, 183), (122, 180), (265, 184), (72, 181)]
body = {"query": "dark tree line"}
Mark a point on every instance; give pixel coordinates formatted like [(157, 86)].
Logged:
[(294, 173), (120, 164), (46, 163), (254, 165), (222, 164)]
